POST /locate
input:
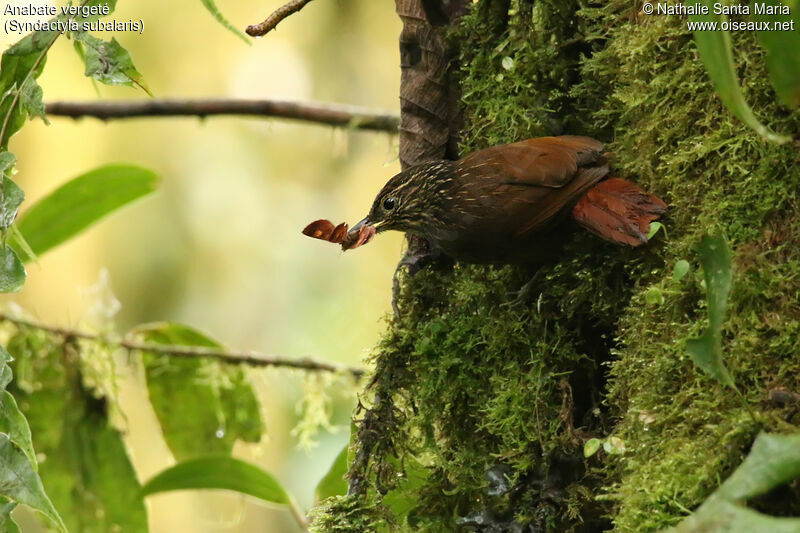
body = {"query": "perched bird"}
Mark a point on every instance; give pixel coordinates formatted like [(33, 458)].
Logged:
[(512, 203)]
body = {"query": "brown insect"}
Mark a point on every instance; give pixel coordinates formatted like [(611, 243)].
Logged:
[(325, 230)]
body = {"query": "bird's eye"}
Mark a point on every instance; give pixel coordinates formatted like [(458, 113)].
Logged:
[(389, 203)]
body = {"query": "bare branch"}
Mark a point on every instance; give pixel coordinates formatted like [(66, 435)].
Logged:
[(286, 10), (321, 113), (229, 357)]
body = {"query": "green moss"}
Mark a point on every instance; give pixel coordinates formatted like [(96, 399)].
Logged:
[(684, 432), (478, 388), (517, 70), (343, 514)]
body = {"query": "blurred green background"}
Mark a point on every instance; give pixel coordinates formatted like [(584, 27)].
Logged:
[(219, 246)]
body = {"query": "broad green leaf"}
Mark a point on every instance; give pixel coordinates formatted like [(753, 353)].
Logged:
[(20, 483), (706, 351), (81, 202), (6, 522), (680, 270), (219, 472), (87, 474), (405, 497), (13, 424), (715, 52), (223, 405), (108, 62), (772, 461), (783, 61), (10, 200), (333, 483), (214, 10), (12, 272)]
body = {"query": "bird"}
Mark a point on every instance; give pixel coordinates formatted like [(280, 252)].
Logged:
[(514, 203)]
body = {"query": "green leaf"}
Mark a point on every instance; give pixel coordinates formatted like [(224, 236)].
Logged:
[(20, 483), (30, 99), (7, 162), (81, 202), (654, 296), (224, 407), (654, 228), (405, 497), (12, 272), (715, 51), (591, 447), (88, 475), (20, 66), (108, 62), (333, 482), (783, 61), (20, 245), (214, 10), (772, 461), (706, 351), (12, 197), (5, 376), (219, 472), (614, 446), (680, 270), (5, 370), (13, 424), (6, 522)]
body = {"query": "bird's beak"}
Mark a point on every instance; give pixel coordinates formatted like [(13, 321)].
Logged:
[(355, 229), (360, 234)]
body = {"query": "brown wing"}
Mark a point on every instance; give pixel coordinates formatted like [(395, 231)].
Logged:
[(532, 182), (544, 162)]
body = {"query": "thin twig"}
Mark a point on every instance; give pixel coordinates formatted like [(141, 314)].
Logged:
[(290, 8), (321, 113), (225, 356)]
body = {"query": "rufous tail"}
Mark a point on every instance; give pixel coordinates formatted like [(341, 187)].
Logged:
[(618, 211)]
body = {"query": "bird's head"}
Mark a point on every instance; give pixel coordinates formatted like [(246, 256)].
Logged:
[(407, 202)]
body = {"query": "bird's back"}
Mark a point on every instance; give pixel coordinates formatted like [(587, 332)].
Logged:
[(506, 196)]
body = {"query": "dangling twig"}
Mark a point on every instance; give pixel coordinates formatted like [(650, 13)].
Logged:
[(288, 9)]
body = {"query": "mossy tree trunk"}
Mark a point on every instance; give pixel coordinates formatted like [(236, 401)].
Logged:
[(478, 412)]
